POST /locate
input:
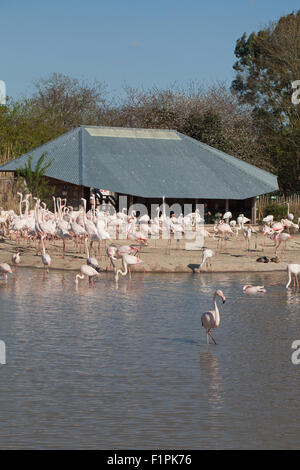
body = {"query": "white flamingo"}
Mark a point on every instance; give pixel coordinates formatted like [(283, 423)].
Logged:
[(281, 237), (127, 260), (16, 258), (5, 269), (46, 259), (90, 261), (211, 319), (207, 254), (86, 271), (293, 269), (249, 289), (268, 219), (227, 216)]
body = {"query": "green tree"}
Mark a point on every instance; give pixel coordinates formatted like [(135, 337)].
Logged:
[(207, 128), (267, 64), (32, 180)]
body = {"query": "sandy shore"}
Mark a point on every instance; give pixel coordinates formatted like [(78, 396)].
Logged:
[(232, 257)]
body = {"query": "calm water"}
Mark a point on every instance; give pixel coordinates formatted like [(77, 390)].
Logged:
[(129, 368)]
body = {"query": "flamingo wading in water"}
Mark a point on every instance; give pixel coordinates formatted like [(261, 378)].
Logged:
[(293, 269), (5, 269), (46, 259), (127, 260), (211, 319), (87, 271), (207, 254)]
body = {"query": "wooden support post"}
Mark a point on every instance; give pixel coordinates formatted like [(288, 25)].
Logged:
[(253, 210)]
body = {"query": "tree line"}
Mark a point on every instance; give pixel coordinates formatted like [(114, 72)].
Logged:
[(254, 119)]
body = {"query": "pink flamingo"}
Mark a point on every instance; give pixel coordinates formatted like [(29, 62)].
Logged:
[(222, 229), (281, 237), (249, 289), (127, 260), (86, 271), (211, 319)]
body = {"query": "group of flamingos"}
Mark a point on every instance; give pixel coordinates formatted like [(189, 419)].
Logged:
[(85, 228), (43, 226)]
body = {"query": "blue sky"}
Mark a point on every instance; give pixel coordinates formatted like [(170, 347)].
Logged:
[(140, 43)]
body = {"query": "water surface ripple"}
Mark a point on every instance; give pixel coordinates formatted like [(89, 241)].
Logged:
[(128, 368)]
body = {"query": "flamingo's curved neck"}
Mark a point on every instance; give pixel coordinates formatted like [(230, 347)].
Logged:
[(20, 204), (54, 204), (43, 246), (216, 309), (79, 276), (119, 271)]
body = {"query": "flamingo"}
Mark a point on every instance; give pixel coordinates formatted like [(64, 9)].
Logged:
[(266, 230), (46, 259), (277, 227), (88, 271), (127, 260), (268, 219), (293, 269), (5, 269), (241, 220), (247, 232), (211, 319), (16, 259), (125, 250), (114, 253), (234, 226), (90, 261), (281, 237), (222, 229), (77, 229), (227, 216), (206, 255), (111, 252), (249, 289)]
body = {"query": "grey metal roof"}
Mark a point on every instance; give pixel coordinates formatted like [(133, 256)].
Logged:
[(148, 163)]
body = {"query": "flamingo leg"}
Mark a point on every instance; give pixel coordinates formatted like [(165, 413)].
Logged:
[(208, 332)]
